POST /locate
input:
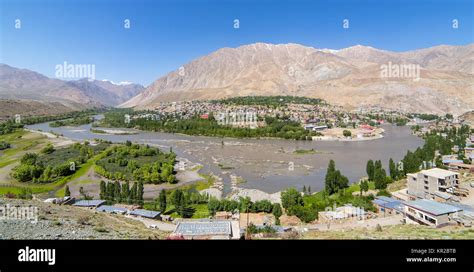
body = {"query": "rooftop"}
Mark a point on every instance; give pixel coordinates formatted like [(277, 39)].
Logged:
[(89, 203), (438, 173), (390, 203), (204, 228), (145, 213), (111, 209), (432, 207)]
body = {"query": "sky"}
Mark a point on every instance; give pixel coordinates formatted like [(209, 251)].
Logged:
[(164, 35)]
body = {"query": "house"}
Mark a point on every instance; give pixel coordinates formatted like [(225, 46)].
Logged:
[(89, 203), (207, 230), (430, 213), (344, 213), (67, 200), (320, 128), (223, 215), (256, 219), (389, 206), (461, 166), (426, 182), (145, 213), (111, 209), (447, 159)]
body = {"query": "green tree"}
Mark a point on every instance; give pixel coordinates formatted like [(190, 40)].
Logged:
[(67, 192), (125, 191), (393, 169), (370, 169), (277, 212), (48, 149), (103, 190), (334, 180), (140, 192), (117, 192), (347, 133), (290, 199), (162, 201), (364, 186), (133, 194)]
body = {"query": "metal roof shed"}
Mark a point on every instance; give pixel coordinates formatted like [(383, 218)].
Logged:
[(89, 203), (432, 207), (145, 213)]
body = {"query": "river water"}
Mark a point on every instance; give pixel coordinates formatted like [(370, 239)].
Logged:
[(269, 165)]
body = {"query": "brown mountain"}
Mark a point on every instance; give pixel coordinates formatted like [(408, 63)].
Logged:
[(22, 85), (351, 77)]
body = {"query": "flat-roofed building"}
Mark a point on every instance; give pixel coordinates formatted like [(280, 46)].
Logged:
[(111, 209), (431, 213), (89, 203), (145, 213), (426, 182), (207, 229), (388, 205)]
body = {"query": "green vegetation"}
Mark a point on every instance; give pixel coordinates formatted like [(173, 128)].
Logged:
[(275, 127), (270, 101), (442, 140), (305, 151), (337, 192), (243, 205), (99, 131), (76, 121), (180, 203), (133, 162), (114, 192), (334, 180), (9, 127), (4, 145), (347, 133), (53, 164)]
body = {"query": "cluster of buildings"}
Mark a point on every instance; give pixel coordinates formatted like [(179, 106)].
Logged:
[(433, 197), (306, 114), (99, 205)]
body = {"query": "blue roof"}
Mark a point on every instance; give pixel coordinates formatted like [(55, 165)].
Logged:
[(111, 209), (451, 161), (89, 203), (432, 207), (389, 203), (145, 213)]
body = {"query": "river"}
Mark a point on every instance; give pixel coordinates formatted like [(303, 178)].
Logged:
[(269, 165)]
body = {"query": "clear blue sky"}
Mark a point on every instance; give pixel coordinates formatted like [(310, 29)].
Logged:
[(166, 34)]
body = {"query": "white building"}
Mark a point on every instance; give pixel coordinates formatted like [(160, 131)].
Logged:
[(426, 183)]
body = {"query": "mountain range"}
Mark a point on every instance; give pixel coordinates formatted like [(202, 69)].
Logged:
[(351, 77), (31, 88)]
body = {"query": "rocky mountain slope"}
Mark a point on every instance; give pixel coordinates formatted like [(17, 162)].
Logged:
[(440, 78), (23, 85)]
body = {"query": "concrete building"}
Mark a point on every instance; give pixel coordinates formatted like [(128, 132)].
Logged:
[(342, 214), (426, 183), (389, 206), (207, 230), (431, 213), (112, 209)]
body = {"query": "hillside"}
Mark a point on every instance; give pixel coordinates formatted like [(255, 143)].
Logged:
[(26, 87), (350, 77)]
